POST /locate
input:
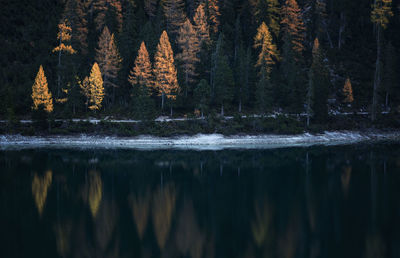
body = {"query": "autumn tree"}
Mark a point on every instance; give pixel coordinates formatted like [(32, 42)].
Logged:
[(268, 53), (268, 11), (347, 92), (189, 44), (76, 13), (109, 61), (213, 15), (201, 25), (166, 81), (380, 15), (41, 96), (174, 11), (293, 26), (96, 89)]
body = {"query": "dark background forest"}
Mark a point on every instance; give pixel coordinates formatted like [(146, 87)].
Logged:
[(345, 30)]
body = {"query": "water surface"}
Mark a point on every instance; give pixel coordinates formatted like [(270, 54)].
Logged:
[(341, 201)]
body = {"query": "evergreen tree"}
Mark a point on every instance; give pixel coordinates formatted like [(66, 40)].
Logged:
[(108, 14), (75, 12), (174, 11), (274, 17), (293, 27), (41, 96), (223, 82), (189, 45), (390, 78), (263, 92), (150, 6), (166, 81), (142, 73), (96, 89), (64, 38), (201, 25), (213, 15), (108, 59), (347, 92), (202, 95), (268, 55), (380, 15)]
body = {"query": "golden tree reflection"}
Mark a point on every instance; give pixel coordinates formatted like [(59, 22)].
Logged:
[(105, 224), (40, 187), (140, 209), (189, 238), (163, 208), (93, 192), (261, 226)]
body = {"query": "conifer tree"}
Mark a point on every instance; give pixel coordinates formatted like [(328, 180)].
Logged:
[(380, 15), (202, 95), (41, 96), (96, 89), (224, 82), (142, 73), (166, 81), (263, 92), (174, 11), (268, 55), (213, 15), (201, 25), (150, 6), (347, 92), (293, 26), (189, 45), (75, 12), (64, 46), (390, 75), (108, 13), (242, 72), (268, 11), (108, 59)]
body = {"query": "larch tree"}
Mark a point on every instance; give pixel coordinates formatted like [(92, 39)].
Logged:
[(268, 52), (64, 46), (213, 15), (174, 11), (268, 11), (96, 89), (380, 16), (109, 60), (165, 73), (76, 11), (142, 73), (201, 25), (293, 28), (347, 92), (41, 96), (189, 44)]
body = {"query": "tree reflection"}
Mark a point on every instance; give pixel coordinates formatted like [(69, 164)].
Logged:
[(93, 192), (163, 208), (40, 187), (105, 226), (140, 210), (345, 178), (261, 226), (62, 232)]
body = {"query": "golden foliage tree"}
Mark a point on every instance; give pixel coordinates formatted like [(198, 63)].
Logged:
[(40, 93), (109, 60), (293, 25), (189, 45), (201, 25), (142, 73), (166, 81), (174, 11), (40, 187), (96, 89), (268, 55), (348, 92), (213, 15)]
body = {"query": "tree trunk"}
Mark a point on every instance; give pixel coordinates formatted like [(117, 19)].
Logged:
[(222, 110), (162, 100), (59, 71), (341, 29), (387, 101), (240, 105), (171, 110), (377, 79)]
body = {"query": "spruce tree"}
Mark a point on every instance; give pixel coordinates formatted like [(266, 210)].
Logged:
[(166, 81), (224, 82), (202, 96), (189, 44), (41, 96)]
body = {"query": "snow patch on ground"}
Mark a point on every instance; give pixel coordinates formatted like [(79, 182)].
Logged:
[(197, 142)]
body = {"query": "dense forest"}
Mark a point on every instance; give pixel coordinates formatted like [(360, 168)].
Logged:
[(144, 58)]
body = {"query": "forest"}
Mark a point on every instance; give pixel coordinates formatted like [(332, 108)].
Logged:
[(140, 59)]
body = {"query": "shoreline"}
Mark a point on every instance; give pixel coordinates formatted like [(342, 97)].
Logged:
[(197, 142)]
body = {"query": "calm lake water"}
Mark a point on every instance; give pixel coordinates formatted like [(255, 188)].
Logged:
[(341, 201)]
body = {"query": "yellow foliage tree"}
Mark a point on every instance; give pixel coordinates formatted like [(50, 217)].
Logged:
[(293, 25), (142, 74), (348, 92), (164, 70), (213, 15), (96, 89), (40, 93), (201, 25), (268, 52)]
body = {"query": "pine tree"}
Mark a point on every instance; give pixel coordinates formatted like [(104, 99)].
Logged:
[(293, 26), (41, 96), (201, 25), (380, 15), (166, 81), (142, 73), (108, 59), (64, 38), (268, 55), (213, 15), (224, 82), (189, 45), (242, 72), (96, 89), (347, 92), (202, 95), (174, 11)]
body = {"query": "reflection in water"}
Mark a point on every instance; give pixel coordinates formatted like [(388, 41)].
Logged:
[(288, 203), (140, 206), (40, 187), (163, 209)]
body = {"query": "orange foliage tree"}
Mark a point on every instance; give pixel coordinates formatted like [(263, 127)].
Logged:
[(40, 93)]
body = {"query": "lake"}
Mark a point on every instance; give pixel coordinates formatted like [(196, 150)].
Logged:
[(339, 201)]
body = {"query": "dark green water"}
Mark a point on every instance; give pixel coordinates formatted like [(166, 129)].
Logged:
[(299, 202)]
